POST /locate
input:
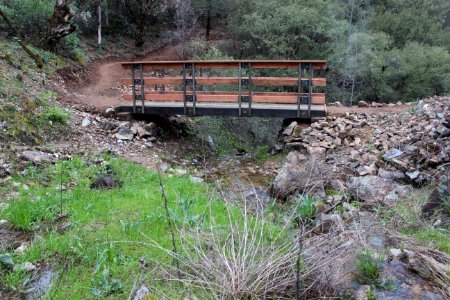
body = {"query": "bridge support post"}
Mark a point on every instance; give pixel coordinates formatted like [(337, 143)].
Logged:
[(135, 82), (246, 111)]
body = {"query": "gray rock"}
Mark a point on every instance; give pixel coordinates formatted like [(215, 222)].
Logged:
[(125, 134), (141, 293), (290, 128), (86, 122), (300, 174), (395, 252), (413, 175), (109, 112), (393, 153), (316, 151), (363, 104), (37, 157), (324, 223), (374, 189), (142, 133), (108, 126)]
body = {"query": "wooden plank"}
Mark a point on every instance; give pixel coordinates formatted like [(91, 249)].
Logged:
[(287, 98), (259, 81), (227, 64)]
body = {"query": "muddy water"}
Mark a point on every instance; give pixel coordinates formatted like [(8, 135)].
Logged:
[(241, 178)]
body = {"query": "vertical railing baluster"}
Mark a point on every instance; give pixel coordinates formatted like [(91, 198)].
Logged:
[(299, 89), (310, 89), (184, 88), (194, 97), (240, 89), (141, 66), (250, 89), (133, 87)]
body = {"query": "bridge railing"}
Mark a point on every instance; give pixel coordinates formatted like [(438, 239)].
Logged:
[(239, 83)]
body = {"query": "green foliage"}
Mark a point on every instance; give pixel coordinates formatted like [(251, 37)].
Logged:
[(416, 71), (30, 16), (55, 114), (268, 29), (73, 48), (184, 215), (105, 284), (6, 260), (17, 280), (307, 208), (368, 267)]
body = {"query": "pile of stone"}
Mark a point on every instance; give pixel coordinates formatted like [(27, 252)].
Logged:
[(407, 146)]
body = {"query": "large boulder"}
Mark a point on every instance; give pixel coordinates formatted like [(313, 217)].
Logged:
[(377, 190), (300, 174)]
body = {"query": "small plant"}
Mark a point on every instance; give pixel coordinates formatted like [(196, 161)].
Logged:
[(306, 207), (184, 216), (17, 280), (262, 153), (55, 114), (368, 267), (106, 285)]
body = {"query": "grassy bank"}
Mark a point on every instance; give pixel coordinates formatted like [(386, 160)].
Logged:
[(100, 241)]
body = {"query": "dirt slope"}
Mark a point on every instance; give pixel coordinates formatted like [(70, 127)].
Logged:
[(99, 89)]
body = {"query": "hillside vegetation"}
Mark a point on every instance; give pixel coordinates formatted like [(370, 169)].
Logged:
[(95, 205)]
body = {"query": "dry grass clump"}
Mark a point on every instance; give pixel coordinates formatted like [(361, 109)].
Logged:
[(248, 258), (430, 263)]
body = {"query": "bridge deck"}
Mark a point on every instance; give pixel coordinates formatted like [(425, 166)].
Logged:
[(224, 109), (251, 88)]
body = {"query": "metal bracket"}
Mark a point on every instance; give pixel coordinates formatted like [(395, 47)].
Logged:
[(304, 100), (190, 111), (190, 98), (190, 81), (245, 99), (305, 66), (305, 82), (245, 112), (138, 81)]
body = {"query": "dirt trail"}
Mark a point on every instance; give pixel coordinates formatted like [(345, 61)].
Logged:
[(104, 76)]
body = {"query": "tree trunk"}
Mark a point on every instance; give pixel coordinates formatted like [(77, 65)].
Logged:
[(99, 25), (35, 57), (59, 25)]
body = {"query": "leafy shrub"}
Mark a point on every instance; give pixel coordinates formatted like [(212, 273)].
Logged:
[(73, 49), (30, 15), (55, 114)]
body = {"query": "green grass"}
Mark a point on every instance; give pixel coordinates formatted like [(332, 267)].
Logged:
[(406, 217), (368, 267), (99, 255)]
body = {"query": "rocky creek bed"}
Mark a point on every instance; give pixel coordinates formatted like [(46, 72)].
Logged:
[(375, 160)]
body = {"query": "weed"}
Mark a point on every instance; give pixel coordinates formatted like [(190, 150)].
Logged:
[(262, 153), (184, 216), (306, 207), (368, 267), (106, 285), (371, 295), (17, 280), (55, 114)]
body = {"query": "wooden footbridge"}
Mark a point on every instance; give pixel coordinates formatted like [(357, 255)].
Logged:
[(245, 88)]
